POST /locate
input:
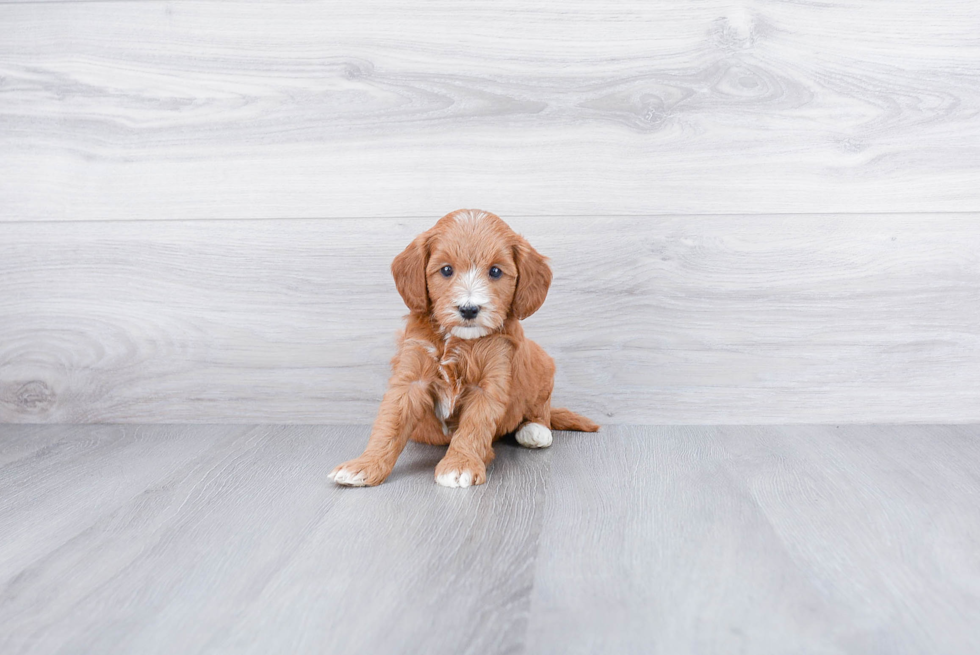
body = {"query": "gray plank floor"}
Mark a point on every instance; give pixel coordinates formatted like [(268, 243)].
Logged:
[(186, 539)]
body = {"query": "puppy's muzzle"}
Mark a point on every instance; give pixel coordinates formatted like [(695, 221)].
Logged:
[(469, 312)]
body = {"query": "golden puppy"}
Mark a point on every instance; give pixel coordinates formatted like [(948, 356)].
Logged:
[(464, 374)]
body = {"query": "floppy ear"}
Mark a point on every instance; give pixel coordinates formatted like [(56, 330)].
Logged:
[(533, 279), (408, 270)]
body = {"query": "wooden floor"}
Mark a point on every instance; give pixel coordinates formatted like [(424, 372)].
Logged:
[(187, 539)]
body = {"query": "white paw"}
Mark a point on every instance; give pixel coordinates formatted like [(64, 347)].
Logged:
[(534, 435), (349, 478), (455, 479)]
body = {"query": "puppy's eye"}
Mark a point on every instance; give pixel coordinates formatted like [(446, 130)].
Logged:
[(446, 271), (495, 272)]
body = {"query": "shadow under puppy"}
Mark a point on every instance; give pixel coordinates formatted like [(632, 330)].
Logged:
[(465, 375)]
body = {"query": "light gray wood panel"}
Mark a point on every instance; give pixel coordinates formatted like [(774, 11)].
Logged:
[(651, 320), (761, 540), (77, 475), (803, 539), (138, 110), (380, 574), (250, 548)]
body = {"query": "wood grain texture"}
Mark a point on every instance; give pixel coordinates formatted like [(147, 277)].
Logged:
[(761, 540), (105, 466), (245, 546), (205, 110), (230, 539), (751, 319)]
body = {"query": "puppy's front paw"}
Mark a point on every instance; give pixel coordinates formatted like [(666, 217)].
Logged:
[(360, 472), (459, 472), (534, 435)]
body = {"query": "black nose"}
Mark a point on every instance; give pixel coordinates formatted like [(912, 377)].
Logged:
[(469, 311)]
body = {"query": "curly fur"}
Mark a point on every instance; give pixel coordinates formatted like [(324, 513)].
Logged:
[(458, 381)]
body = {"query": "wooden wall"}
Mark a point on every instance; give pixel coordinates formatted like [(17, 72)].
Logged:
[(757, 211)]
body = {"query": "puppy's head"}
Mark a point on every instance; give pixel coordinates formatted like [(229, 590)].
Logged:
[(470, 272)]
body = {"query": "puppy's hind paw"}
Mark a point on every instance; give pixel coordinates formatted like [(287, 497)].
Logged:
[(534, 435)]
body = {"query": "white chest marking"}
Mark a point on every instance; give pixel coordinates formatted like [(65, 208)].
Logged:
[(442, 415), (449, 393)]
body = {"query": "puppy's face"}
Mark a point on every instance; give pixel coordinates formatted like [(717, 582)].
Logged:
[(471, 275), (470, 272)]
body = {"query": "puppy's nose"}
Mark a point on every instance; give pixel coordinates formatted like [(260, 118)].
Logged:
[(469, 311)]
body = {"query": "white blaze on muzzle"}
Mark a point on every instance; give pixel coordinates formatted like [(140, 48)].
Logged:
[(471, 289)]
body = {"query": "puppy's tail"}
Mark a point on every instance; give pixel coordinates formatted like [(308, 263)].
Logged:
[(566, 419)]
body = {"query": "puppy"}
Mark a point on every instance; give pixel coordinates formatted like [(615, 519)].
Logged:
[(465, 375)]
